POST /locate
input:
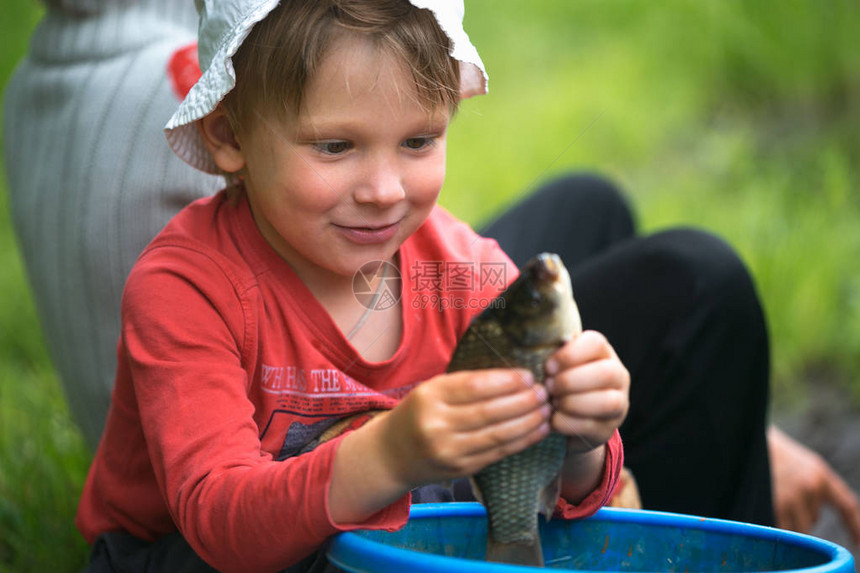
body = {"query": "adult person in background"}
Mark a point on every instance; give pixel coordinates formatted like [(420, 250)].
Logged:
[(92, 180)]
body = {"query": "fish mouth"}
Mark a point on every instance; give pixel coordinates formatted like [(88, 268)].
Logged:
[(549, 270), (548, 267)]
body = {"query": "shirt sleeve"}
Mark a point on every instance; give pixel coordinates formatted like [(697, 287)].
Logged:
[(187, 334), (602, 494)]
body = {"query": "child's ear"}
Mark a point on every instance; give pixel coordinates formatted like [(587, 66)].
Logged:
[(220, 140)]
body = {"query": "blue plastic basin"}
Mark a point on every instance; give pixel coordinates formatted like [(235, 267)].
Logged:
[(451, 537)]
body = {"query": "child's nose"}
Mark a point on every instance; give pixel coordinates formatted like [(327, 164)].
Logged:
[(381, 183)]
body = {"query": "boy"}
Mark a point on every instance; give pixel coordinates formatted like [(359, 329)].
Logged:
[(242, 341)]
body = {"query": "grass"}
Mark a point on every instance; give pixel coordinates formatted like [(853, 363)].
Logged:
[(739, 117), (43, 459)]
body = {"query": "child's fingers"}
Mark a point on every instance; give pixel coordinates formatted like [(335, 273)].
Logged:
[(477, 415), (468, 386), (463, 453), (589, 388), (492, 443), (590, 432), (600, 374), (590, 345), (602, 405), (504, 435), (447, 421)]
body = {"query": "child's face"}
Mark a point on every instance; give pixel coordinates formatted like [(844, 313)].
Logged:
[(355, 174)]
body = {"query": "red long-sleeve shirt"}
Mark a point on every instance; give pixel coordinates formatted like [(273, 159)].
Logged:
[(229, 368)]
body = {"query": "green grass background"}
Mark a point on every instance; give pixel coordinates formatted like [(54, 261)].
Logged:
[(739, 117)]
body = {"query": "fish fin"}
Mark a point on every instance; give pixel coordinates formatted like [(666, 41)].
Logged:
[(525, 553), (549, 497), (477, 491), (347, 423)]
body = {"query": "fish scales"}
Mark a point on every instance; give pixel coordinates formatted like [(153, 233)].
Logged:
[(536, 316)]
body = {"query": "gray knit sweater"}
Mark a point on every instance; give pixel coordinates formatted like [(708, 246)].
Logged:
[(91, 178)]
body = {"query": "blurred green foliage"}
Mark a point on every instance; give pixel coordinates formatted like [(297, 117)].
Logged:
[(43, 459), (739, 117), (742, 117)]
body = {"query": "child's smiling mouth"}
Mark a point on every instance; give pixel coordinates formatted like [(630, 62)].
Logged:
[(369, 235)]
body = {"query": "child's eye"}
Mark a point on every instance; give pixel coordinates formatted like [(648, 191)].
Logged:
[(416, 143), (333, 147)]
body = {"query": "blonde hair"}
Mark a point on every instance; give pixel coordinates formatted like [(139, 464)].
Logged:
[(275, 62)]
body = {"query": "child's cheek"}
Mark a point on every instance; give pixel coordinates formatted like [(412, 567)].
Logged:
[(428, 183)]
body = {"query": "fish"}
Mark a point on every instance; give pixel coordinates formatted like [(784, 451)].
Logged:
[(521, 328)]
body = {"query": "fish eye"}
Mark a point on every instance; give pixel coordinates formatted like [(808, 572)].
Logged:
[(534, 298)]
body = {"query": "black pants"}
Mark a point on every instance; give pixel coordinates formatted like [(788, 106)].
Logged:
[(681, 311)]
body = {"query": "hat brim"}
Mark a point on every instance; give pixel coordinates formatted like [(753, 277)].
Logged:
[(219, 77)]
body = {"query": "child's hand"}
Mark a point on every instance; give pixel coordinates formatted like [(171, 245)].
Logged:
[(450, 426), (589, 389), (455, 424)]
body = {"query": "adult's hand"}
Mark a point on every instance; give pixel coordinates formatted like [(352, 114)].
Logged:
[(802, 482)]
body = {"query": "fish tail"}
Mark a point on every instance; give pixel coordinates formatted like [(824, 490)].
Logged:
[(521, 553)]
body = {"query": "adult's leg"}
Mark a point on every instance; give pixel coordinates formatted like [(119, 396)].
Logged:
[(682, 313), (576, 217)]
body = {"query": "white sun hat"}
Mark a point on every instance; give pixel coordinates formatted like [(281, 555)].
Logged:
[(224, 25)]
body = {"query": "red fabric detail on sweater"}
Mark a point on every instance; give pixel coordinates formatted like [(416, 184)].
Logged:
[(183, 70)]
